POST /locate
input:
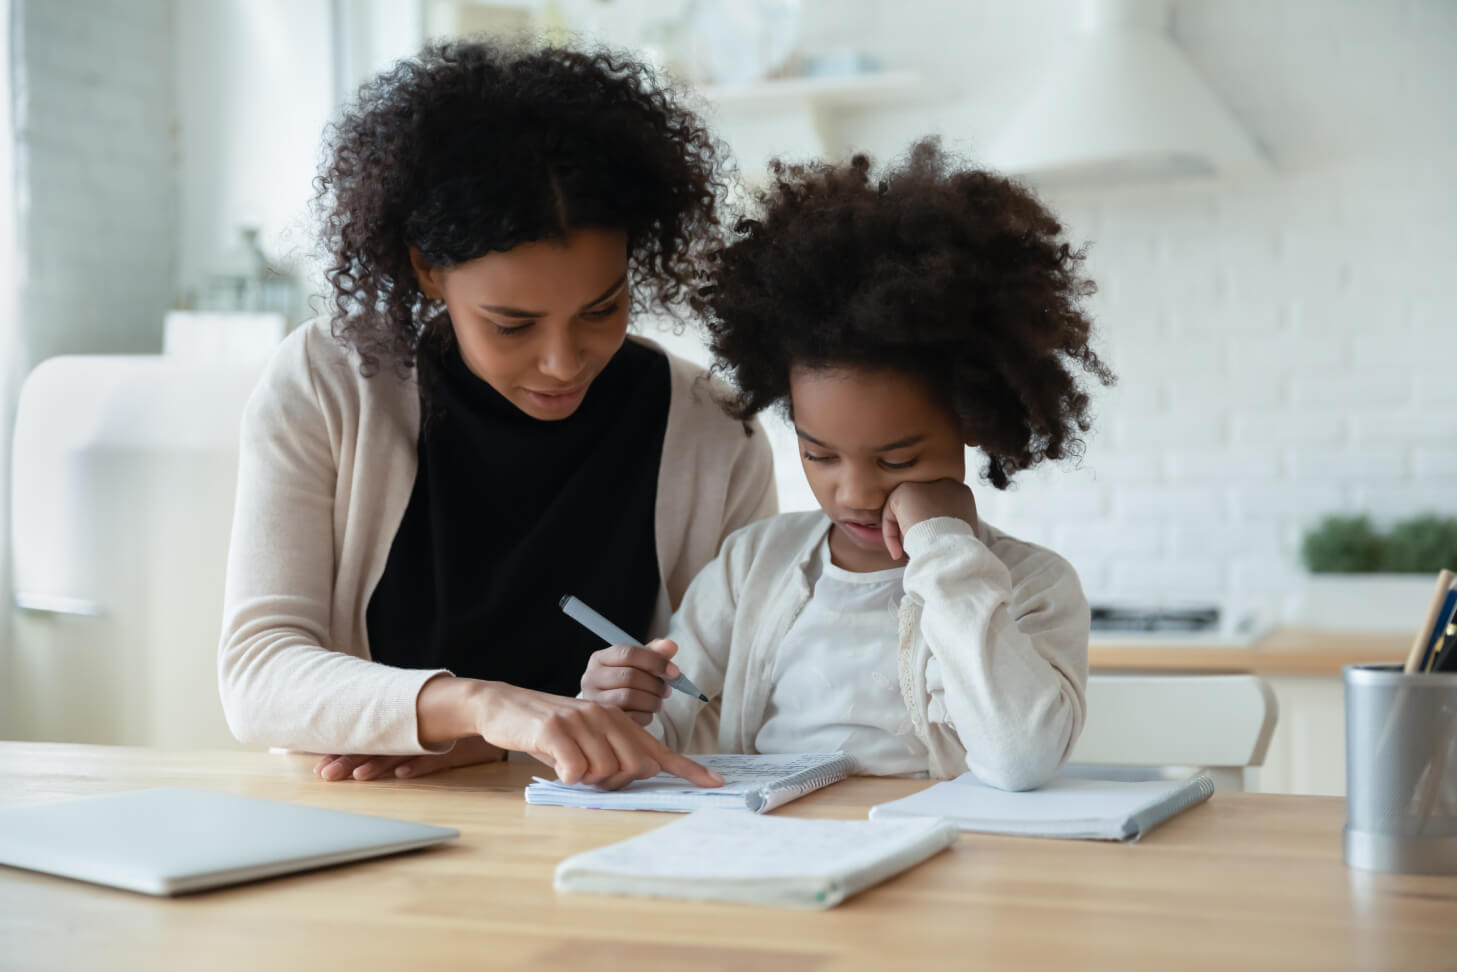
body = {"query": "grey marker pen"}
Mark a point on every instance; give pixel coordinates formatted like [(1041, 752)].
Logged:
[(614, 635)]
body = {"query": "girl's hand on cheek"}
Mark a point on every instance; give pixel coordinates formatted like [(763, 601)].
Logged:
[(910, 503)]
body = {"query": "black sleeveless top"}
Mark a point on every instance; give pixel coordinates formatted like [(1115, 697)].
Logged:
[(509, 513)]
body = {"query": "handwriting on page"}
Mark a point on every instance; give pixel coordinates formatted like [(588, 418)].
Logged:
[(741, 773)]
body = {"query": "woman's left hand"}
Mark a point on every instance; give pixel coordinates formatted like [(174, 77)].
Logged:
[(910, 503), (465, 752)]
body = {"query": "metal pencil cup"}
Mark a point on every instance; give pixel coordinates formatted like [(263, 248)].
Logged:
[(1401, 770)]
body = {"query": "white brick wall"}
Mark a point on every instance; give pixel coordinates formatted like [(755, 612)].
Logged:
[(1285, 344), (91, 101), (96, 174), (9, 345), (1303, 379), (254, 91)]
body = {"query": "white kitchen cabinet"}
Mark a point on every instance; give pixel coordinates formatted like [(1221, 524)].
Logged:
[(1307, 751)]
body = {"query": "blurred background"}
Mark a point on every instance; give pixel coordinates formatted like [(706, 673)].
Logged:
[(1267, 188)]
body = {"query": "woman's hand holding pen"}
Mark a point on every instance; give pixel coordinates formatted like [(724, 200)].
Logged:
[(631, 678), (910, 503)]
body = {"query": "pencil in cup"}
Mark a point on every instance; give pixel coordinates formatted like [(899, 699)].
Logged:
[(1414, 775), (1446, 583), (1444, 641), (1401, 756), (579, 612), (1416, 655)]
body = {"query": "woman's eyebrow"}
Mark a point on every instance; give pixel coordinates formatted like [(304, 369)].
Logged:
[(518, 312), (609, 292)]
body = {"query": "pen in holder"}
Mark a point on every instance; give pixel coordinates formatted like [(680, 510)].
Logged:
[(1401, 770)]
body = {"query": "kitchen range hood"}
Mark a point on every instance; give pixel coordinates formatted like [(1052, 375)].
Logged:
[(1123, 105)]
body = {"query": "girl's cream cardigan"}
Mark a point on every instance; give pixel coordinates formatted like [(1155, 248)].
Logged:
[(993, 652)]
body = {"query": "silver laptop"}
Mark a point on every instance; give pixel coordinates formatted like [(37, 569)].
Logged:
[(175, 840)]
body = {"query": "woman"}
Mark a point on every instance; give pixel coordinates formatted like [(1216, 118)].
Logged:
[(472, 434)]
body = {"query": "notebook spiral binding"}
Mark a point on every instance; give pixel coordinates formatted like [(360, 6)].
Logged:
[(805, 781), (1198, 789)]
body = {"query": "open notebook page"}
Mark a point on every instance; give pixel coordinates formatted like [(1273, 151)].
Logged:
[(757, 782), (1065, 806)]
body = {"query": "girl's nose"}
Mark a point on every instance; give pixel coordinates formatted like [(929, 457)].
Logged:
[(859, 492)]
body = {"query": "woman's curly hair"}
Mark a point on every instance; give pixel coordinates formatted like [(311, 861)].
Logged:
[(473, 147), (953, 275)]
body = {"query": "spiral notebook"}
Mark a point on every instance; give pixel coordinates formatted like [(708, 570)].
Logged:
[(757, 783), (1068, 806), (727, 855)]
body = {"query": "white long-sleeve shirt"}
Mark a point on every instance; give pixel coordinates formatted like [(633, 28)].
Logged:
[(992, 647), (835, 683)]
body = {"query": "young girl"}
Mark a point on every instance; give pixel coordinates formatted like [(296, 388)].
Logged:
[(900, 320), (472, 432)]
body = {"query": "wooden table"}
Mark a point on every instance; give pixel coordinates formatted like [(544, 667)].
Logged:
[(1283, 651), (1243, 881)]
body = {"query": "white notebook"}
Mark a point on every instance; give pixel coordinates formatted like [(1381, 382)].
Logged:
[(751, 782), (726, 855), (173, 840), (1067, 806)]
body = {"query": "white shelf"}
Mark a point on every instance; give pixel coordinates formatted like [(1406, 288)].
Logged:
[(851, 91)]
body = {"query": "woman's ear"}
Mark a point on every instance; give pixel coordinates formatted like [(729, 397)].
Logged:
[(426, 276)]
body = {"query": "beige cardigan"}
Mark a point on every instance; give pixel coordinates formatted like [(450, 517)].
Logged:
[(326, 467), (993, 653)]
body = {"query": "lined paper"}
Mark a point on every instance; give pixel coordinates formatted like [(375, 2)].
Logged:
[(756, 782)]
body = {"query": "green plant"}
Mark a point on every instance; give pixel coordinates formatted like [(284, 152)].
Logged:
[(1351, 545), (1423, 544), (1342, 545)]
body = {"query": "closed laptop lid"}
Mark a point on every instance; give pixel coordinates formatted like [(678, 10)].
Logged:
[(173, 840)]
